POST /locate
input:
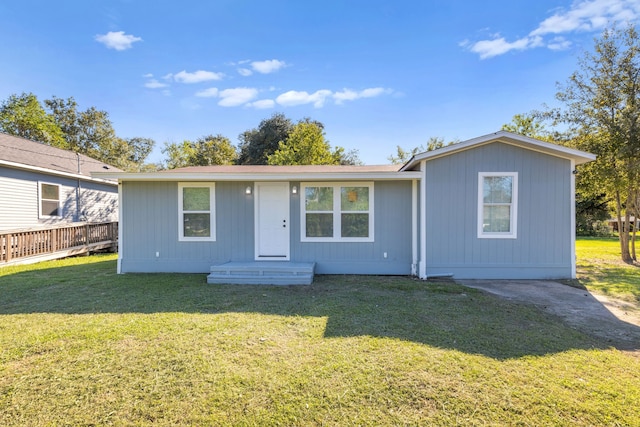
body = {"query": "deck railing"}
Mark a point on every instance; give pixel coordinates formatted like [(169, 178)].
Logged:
[(71, 239)]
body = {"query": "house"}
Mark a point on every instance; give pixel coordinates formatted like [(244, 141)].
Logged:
[(44, 186), (499, 206)]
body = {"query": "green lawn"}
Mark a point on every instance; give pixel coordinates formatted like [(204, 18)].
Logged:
[(80, 345), (601, 270)]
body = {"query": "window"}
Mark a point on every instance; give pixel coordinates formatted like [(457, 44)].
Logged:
[(337, 212), (497, 204), (196, 212), (49, 201)]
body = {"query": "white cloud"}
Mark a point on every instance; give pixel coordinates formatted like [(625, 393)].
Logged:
[(245, 72), (293, 97), (267, 67), (351, 95), (559, 43), (582, 16), (262, 104), (212, 92), (147, 76), (490, 48), (117, 40), (237, 96), (155, 84), (196, 77)]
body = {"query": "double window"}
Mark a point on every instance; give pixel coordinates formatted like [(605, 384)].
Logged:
[(497, 205), (49, 206), (337, 212), (196, 212)]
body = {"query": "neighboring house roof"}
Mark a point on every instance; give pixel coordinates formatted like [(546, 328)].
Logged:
[(21, 153), (505, 137), (268, 173)]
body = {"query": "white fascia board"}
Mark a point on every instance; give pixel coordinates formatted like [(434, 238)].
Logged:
[(102, 180), (505, 137), (191, 176)]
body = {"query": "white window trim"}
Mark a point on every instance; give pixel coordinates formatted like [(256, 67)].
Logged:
[(337, 213), (212, 211), (40, 214), (513, 234)]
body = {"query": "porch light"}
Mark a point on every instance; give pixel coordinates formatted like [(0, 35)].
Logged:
[(247, 190), (294, 190)]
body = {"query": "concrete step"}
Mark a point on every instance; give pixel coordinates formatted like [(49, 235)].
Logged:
[(262, 273)]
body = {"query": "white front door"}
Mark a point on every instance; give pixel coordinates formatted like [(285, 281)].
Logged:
[(272, 220)]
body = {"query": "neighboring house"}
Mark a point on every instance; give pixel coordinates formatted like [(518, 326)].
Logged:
[(499, 206), (43, 185)]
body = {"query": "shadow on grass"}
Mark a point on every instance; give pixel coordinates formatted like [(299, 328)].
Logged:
[(443, 315)]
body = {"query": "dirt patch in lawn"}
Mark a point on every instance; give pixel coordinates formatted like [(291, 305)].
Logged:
[(615, 321)]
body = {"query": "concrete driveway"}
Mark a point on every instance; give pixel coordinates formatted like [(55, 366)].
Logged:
[(577, 307)]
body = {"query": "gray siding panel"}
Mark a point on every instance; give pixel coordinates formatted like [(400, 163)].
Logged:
[(541, 249), (19, 199), (150, 225), (392, 222)]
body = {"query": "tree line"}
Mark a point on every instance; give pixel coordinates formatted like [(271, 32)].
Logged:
[(276, 141)]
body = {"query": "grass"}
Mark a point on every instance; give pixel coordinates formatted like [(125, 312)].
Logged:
[(601, 270), (80, 345)]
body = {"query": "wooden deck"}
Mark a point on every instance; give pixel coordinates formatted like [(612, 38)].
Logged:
[(40, 244)]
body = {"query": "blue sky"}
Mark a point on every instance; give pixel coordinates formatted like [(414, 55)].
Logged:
[(376, 73)]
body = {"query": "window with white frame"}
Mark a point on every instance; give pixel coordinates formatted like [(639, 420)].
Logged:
[(49, 206), (337, 212), (196, 211), (497, 205)]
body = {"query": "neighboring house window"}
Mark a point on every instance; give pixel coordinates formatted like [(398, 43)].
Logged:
[(196, 211), (49, 201), (337, 212), (497, 205)]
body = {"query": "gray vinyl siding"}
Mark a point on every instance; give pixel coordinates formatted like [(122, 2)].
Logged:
[(542, 247), (392, 234), (150, 224), (19, 200)]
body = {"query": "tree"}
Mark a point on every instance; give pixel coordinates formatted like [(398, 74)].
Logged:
[(305, 145), (205, 151), (528, 124), (91, 132), (602, 110), (256, 145), (24, 116), (403, 156)]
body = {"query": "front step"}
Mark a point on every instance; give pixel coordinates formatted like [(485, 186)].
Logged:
[(262, 273)]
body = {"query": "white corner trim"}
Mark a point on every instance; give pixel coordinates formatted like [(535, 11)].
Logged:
[(572, 228)]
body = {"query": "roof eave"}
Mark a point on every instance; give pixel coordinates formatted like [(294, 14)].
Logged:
[(208, 176), (533, 144), (102, 180)]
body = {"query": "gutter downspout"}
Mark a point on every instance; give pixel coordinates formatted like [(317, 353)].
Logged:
[(414, 227), (423, 221), (572, 228), (120, 228)]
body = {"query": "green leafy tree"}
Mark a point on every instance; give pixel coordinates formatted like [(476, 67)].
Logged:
[(205, 151), (24, 116), (404, 155), (528, 124), (306, 145), (91, 132), (602, 111), (256, 145)]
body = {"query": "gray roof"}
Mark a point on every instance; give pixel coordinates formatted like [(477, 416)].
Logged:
[(26, 154), (265, 169)]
